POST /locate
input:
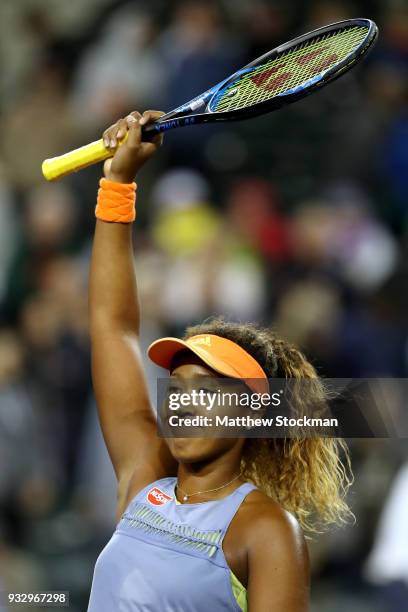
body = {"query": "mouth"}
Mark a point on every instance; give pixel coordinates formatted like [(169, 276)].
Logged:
[(187, 413)]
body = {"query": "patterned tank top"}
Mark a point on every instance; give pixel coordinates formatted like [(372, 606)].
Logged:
[(168, 557)]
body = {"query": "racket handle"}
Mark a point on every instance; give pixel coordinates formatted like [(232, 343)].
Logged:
[(56, 167)]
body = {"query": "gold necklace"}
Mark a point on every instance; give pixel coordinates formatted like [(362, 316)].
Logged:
[(186, 496)]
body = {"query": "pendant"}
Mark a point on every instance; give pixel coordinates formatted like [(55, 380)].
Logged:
[(185, 498)]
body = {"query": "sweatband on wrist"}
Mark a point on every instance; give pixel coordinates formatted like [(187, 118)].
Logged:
[(116, 201)]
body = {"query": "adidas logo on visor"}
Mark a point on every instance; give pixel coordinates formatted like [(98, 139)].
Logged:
[(206, 340)]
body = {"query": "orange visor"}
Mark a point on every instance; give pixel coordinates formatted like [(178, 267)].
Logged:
[(222, 355)]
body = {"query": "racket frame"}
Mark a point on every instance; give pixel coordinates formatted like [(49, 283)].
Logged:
[(183, 115), (199, 110)]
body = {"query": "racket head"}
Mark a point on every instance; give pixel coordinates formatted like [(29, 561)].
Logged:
[(293, 70)]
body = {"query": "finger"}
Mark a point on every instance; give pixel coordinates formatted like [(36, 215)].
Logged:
[(135, 132), (110, 135), (121, 129), (150, 147), (107, 135), (117, 131), (133, 118), (150, 116), (158, 140)]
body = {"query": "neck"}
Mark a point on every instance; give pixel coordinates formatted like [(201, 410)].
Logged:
[(201, 476)]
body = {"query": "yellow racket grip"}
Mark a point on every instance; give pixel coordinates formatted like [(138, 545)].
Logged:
[(57, 167)]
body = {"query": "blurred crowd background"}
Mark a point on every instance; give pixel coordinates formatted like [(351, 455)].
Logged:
[(298, 220)]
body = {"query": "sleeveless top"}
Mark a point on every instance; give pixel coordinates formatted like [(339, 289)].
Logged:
[(167, 557)]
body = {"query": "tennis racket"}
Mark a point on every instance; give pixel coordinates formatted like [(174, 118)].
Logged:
[(281, 76)]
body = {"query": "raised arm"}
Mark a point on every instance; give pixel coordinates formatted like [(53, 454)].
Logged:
[(126, 417)]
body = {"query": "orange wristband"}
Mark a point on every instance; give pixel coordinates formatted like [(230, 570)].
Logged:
[(116, 201)]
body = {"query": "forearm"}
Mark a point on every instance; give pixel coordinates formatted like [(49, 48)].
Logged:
[(113, 298)]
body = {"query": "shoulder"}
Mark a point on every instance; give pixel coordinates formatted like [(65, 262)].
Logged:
[(270, 531), (278, 560)]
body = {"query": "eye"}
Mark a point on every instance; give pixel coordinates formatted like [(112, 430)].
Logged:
[(207, 391), (174, 388)]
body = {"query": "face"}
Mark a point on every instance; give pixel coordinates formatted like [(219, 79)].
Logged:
[(189, 373)]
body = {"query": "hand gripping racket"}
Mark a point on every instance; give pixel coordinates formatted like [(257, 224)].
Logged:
[(281, 76)]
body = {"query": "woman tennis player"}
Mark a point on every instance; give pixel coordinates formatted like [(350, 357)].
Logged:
[(204, 524)]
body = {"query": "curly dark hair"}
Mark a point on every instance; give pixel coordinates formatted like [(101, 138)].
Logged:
[(307, 476)]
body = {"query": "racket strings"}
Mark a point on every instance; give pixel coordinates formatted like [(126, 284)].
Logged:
[(289, 70), (347, 39)]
